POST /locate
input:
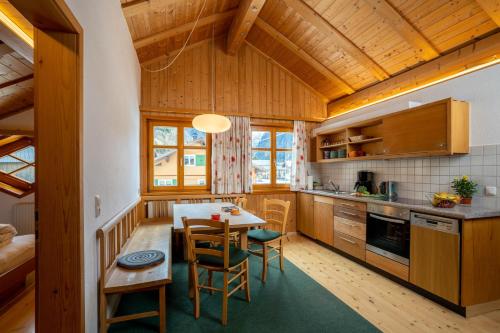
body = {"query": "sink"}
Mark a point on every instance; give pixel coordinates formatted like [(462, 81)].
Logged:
[(335, 192)]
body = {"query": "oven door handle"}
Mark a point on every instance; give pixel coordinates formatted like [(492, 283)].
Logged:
[(387, 219)]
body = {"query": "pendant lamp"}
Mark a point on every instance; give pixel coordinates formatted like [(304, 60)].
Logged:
[(211, 122)]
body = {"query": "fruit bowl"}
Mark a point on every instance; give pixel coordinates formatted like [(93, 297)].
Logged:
[(444, 200)]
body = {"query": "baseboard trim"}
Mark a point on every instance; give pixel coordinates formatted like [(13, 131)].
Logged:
[(478, 309)]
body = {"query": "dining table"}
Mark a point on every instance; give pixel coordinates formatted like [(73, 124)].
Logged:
[(241, 223)]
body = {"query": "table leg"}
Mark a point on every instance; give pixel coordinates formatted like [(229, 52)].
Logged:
[(244, 239), (162, 310)]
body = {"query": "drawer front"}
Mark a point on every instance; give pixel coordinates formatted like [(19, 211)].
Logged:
[(351, 204), (350, 214), (326, 200), (350, 245), (350, 228), (388, 265)]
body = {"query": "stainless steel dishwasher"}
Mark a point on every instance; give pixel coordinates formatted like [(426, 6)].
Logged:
[(435, 255)]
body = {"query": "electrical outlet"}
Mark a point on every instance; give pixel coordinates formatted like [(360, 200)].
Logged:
[(98, 202), (490, 191)]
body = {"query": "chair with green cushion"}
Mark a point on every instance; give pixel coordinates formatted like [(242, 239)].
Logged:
[(231, 261), (276, 215)]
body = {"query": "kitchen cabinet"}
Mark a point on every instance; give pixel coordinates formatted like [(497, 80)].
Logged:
[(350, 245), (435, 257), (481, 263), (439, 128), (305, 214), (323, 219), (350, 227)]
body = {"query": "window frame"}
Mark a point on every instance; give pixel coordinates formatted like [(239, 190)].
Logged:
[(9, 183), (180, 187), (273, 149)]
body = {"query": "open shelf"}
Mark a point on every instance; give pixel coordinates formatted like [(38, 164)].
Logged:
[(333, 160), (348, 159), (366, 141), (334, 146)]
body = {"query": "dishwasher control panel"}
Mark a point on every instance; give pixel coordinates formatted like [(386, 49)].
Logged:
[(437, 223)]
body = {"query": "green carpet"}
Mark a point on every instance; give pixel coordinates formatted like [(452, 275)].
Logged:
[(288, 302)]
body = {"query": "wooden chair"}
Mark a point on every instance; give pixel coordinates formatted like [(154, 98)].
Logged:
[(231, 261), (276, 214)]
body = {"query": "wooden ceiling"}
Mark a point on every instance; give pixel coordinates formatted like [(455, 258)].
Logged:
[(16, 82), (338, 47)]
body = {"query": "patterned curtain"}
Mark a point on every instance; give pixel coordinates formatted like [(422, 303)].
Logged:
[(231, 158), (299, 156)]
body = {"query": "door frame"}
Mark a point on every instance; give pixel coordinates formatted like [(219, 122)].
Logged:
[(58, 68)]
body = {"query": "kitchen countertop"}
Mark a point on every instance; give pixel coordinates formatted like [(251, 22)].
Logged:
[(475, 211)]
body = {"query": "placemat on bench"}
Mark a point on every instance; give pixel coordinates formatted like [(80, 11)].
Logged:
[(141, 259)]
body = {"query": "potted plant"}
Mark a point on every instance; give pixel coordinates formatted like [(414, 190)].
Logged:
[(465, 188)]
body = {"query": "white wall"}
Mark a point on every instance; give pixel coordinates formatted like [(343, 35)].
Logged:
[(7, 203), (481, 89), (111, 126)]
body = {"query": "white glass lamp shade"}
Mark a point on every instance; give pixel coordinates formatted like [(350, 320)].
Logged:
[(211, 123)]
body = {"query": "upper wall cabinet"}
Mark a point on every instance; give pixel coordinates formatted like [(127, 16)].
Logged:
[(438, 128)]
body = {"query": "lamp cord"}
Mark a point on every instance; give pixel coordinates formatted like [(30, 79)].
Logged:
[(183, 46)]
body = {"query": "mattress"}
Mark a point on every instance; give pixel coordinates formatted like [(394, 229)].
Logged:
[(17, 253)]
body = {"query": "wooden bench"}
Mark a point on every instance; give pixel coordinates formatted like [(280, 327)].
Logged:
[(123, 235)]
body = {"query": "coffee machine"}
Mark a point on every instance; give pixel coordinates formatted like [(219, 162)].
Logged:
[(365, 178)]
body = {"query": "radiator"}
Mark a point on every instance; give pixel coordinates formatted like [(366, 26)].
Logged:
[(24, 218)]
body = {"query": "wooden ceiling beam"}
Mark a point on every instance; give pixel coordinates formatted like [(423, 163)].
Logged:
[(337, 38), (248, 11), (473, 56), (4, 49), (9, 132), (10, 113), (345, 87), (492, 8), (16, 81), (174, 52), (142, 42), (137, 7), (404, 28)]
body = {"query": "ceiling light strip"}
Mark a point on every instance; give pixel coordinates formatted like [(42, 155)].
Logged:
[(11, 25), (446, 78)]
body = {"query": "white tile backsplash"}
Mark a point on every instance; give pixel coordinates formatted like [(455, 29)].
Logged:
[(418, 177)]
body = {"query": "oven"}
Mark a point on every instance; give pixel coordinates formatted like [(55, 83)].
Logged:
[(388, 232)]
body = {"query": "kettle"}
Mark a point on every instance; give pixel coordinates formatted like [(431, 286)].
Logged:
[(388, 189)]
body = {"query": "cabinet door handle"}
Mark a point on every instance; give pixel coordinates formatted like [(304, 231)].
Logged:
[(348, 205), (349, 213), (349, 224), (347, 240)]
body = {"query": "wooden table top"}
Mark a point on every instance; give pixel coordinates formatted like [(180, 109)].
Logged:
[(205, 210), (148, 236)]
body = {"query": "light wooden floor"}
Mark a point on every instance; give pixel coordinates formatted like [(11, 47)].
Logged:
[(387, 305), (20, 318)]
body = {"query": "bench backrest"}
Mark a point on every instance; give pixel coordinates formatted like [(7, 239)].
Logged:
[(160, 207), (113, 237)]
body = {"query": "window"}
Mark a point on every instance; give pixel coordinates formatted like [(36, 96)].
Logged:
[(271, 156), (17, 165), (177, 157)]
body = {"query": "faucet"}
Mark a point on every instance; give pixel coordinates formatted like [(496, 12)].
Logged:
[(334, 186)]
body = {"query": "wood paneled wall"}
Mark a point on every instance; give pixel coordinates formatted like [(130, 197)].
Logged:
[(256, 205), (246, 84)]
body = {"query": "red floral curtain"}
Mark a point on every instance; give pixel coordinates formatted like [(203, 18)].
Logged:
[(231, 160), (298, 177)]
